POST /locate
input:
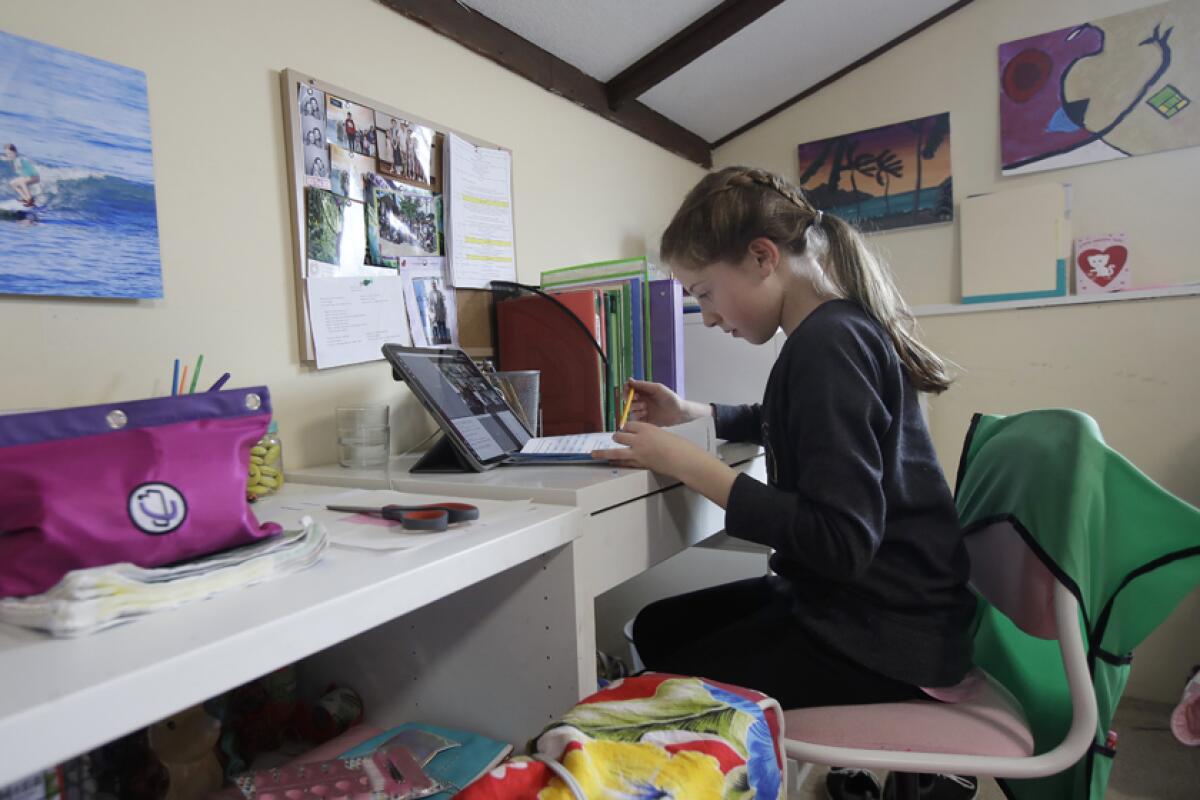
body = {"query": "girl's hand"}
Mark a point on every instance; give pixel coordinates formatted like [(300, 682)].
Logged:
[(652, 448), (658, 405)]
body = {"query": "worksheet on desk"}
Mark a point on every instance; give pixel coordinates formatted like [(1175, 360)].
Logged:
[(370, 532), (700, 432), (571, 444)]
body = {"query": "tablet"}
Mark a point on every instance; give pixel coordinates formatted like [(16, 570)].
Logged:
[(471, 412)]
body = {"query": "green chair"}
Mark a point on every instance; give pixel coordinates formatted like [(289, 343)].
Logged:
[(1077, 557), (1128, 550)]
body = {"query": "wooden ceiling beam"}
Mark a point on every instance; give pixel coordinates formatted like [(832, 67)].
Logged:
[(493, 41), (841, 73), (685, 47)]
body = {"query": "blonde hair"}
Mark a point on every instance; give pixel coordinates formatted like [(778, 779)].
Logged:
[(729, 209)]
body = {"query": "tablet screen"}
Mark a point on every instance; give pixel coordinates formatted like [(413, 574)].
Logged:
[(477, 411)]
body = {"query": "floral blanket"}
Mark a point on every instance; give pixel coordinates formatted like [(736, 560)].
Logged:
[(651, 736)]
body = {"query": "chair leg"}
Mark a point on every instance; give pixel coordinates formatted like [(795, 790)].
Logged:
[(907, 786), (796, 773)]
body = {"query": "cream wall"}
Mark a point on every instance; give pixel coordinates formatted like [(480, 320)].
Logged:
[(585, 190), (1133, 366)]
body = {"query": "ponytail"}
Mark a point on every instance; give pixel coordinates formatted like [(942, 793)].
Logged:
[(730, 208), (857, 274)]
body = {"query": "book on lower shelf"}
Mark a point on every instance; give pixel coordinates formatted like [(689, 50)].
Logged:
[(469, 755)]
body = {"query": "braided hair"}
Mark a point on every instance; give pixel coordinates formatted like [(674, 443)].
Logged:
[(732, 207)]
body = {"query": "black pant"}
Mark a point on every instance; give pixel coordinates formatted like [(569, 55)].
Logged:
[(745, 633)]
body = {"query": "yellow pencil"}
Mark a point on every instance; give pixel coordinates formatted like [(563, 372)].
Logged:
[(625, 411)]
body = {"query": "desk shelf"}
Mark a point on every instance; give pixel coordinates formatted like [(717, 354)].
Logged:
[(492, 629), (590, 488), (451, 606), (632, 520)]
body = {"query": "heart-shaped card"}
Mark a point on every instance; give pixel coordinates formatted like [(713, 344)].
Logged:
[(1101, 263)]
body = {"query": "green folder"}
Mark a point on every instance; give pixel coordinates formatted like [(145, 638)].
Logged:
[(603, 274)]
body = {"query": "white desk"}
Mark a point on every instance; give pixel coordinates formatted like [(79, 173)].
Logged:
[(633, 519), (464, 631)]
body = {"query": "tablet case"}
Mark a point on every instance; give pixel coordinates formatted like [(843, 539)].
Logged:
[(442, 457)]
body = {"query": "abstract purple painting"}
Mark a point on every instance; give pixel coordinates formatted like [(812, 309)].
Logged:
[(1112, 88)]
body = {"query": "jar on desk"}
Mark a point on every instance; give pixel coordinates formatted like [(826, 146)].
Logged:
[(266, 464), (363, 436)]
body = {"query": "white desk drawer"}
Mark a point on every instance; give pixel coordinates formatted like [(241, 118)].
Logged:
[(626, 540)]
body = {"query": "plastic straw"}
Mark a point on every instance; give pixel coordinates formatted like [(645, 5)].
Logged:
[(216, 387), (196, 374)]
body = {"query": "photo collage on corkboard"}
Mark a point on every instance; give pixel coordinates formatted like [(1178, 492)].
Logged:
[(373, 206)]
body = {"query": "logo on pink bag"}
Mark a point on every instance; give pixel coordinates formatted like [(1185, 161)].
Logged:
[(157, 508)]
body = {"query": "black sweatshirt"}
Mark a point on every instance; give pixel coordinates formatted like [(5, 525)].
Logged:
[(857, 509)]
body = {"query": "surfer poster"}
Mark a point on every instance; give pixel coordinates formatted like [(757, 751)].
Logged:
[(77, 210)]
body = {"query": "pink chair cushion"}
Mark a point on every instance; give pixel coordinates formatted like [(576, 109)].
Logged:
[(984, 720)]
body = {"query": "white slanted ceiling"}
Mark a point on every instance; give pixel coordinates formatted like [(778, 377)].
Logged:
[(787, 50), (599, 37)]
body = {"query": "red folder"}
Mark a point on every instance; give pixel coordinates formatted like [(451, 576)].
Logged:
[(536, 334)]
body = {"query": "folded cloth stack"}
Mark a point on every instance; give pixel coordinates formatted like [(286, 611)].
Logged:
[(90, 600)]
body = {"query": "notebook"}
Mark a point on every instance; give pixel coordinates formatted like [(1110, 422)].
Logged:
[(578, 447)]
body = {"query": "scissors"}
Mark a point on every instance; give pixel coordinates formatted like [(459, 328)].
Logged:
[(432, 517)]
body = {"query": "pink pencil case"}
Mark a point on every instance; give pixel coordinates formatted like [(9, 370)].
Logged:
[(150, 482)]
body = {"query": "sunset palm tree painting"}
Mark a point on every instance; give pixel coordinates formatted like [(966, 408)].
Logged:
[(894, 176)]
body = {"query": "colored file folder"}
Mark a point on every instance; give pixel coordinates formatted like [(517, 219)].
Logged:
[(666, 333), (626, 287), (534, 333)]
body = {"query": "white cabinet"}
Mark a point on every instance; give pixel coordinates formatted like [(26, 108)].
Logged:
[(718, 368)]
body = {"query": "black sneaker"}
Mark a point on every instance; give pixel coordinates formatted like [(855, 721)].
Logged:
[(939, 787), (845, 783)]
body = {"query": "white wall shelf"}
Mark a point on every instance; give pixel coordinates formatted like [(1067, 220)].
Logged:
[(1045, 302)]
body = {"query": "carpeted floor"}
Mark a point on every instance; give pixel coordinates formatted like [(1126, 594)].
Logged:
[(1150, 765)]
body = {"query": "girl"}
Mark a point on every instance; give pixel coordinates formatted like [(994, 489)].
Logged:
[(868, 597), (27, 175)]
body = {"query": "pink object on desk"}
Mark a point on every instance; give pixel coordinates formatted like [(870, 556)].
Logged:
[(367, 519)]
